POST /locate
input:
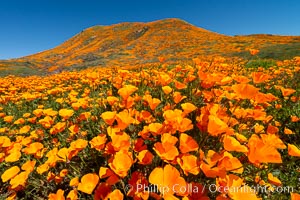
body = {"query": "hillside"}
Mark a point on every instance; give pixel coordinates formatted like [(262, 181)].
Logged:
[(128, 44)]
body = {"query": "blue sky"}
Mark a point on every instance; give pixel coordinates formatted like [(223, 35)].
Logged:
[(30, 26)]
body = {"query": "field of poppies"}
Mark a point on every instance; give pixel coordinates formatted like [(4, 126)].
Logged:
[(205, 130)]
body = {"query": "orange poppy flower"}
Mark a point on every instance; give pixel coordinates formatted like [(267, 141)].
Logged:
[(5, 141), (231, 144), (230, 163), (146, 116), (245, 91), (226, 80), (84, 116), (126, 91), (155, 128), (102, 190), (8, 119), (3, 130), (293, 150), (74, 182), (98, 142), (164, 79), (24, 129), (179, 85), (167, 89), (169, 180), (50, 112), (175, 119), (66, 113), (63, 155), (120, 140), (14, 155), (88, 183), (253, 51), (187, 143), (19, 121), (172, 115), (116, 194), (244, 192), (216, 126), (209, 165), (79, 144), (188, 107), (273, 180), (190, 77), (128, 103), (105, 172), (38, 112), (295, 118), (287, 91), (240, 137), (10, 173), (58, 128), (19, 180), (92, 75), (32, 120), (137, 179), (124, 119), (76, 105), (166, 149), (259, 152), (263, 98), (72, 195), (42, 168), (112, 100), (184, 125), (74, 129), (29, 165), (63, 173), (58, 196), (33, 148), (52, 156), (288, 131), (153, 102), (139, 145), (259, 128), (295, 196), (46, 122), (24, 141), (50, 176), (145, 157), (177, 97), (259, 77), (189, 164), (121, 163), (230, 181), (273, 140), (272, 129), (161, 59), (109, 117)]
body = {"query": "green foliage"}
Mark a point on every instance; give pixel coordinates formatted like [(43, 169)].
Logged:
[(280, 51), (273, 51), (265, 63), (21, 71)]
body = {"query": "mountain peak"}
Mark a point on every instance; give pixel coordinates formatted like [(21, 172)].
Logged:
[(128, 42)]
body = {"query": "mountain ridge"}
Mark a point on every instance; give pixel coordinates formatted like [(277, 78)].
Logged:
[(138, 43)]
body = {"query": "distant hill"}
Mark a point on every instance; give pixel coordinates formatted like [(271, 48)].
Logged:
[(127, 44)]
